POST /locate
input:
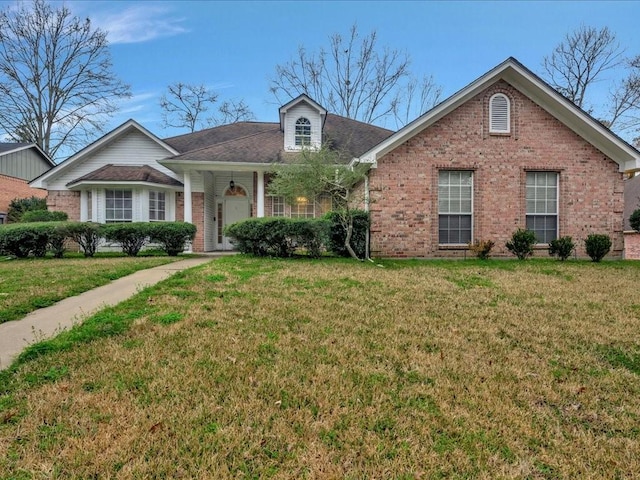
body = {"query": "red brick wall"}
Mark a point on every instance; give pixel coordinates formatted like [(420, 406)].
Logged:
[(197, 214), (632, 246), (12, 188), (65, 201), (404, 202)]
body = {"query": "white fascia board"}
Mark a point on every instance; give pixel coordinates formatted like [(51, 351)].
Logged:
[(180, 166), (41, 181), (122, 183), (577, 120), (540, 93)]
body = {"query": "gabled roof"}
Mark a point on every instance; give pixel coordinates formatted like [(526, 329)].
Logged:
[(541, 93), (303, 98), (252, 143), (8, 148), (102, 142), (127, 173)]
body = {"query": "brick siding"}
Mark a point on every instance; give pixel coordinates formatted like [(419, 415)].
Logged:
[(404, 186), (65, 201), (12, 188)]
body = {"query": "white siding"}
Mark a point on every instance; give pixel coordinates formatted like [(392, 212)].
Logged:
[(133, 148), (303, 109)]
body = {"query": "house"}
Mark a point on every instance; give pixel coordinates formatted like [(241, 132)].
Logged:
[(211, 178), (20, 163), (631, 204), (506, 151)]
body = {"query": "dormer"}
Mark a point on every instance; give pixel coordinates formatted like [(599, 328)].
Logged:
[(302, 120)]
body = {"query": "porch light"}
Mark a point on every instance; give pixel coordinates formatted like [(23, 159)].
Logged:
[(232, 185)]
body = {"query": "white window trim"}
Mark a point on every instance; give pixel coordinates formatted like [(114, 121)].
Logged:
[(448, 213), (492, 129), (557, 213)]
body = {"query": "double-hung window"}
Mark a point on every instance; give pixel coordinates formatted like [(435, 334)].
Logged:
[(118, 206), (157, 206), (542, 205), (277, 206), (455, 207)]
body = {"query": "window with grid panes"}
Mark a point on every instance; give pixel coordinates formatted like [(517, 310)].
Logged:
[(277, 207), (303, 132), (157, 206), (118, 206), (542, 205), (455, 207)]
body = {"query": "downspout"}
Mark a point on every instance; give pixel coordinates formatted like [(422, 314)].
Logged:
[(367, 251)]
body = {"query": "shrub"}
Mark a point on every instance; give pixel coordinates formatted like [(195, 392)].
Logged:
[(561, 248), (278, 236), (21, 240), (131, 236), (43, 216), (58, 239), (482, 248), (172, 236), (86, 234), (634, 220), (310, 234), (18, 206), (521, 243), (597, 245), (338, 232)]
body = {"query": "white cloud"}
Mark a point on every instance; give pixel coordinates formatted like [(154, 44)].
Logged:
[(139, 23)]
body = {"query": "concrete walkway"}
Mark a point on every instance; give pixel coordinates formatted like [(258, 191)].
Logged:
[(47, 322)]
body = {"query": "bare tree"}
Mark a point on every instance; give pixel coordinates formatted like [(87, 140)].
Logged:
[(588, 56), (185, 105), (232, 111), (420, 96), (353, 78), (57, 87)]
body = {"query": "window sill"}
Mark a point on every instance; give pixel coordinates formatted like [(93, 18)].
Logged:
[(453, 246)]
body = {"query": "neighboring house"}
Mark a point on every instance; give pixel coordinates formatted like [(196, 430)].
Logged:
[(20, 163), (507, 151), (211, 178), (631, 203)]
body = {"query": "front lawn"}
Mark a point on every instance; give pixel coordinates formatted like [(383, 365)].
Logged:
[(29, 284), (248, 368)]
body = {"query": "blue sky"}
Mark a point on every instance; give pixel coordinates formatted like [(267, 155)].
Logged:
[(234, 47)]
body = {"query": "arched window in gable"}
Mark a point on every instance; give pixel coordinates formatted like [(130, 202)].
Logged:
[(303, 132), (499, 114)]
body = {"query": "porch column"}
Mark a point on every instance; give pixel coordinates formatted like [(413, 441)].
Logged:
[(188, 211), (84, 205), (260, 199)]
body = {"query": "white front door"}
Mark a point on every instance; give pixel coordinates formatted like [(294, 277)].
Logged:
[(234, 210)]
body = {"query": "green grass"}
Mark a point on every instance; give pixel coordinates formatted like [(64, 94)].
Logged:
[(29, 284), (247, 368)]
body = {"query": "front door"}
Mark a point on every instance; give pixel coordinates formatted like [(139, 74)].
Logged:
[(235, 207)]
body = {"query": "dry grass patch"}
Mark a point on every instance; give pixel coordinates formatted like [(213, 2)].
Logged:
[(250, 368), (29, 284)]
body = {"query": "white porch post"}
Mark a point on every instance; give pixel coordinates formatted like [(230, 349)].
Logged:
[(188, 210), (84, 206), (260, 203)]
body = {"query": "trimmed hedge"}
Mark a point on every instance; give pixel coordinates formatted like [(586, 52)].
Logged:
[(338, 233), (43, 216), (38, 238), (22, 240), (521, 243), (172, 237), (279, 236), (131, 236)]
